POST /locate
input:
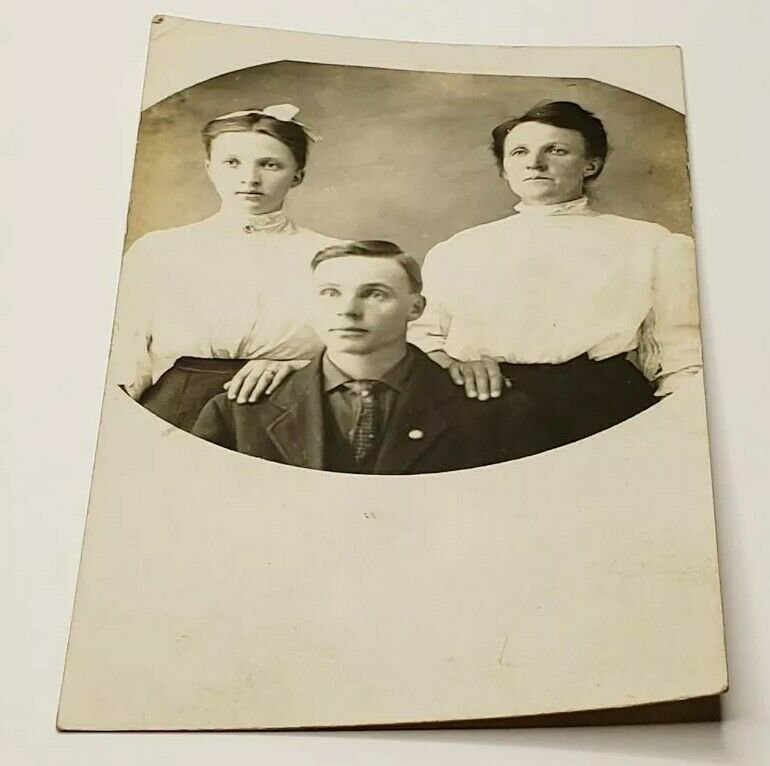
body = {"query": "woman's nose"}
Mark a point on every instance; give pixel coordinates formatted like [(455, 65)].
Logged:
[(253, 176), (536, 160)]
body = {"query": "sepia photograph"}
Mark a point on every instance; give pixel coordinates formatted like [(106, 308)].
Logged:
[(384, 384), (405, 271), (404, 419)]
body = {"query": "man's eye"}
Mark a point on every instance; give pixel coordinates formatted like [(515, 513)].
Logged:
[(232, 162), (329, 292), (558, 150)]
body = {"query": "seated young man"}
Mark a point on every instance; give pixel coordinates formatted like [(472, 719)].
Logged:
[(371, 403)]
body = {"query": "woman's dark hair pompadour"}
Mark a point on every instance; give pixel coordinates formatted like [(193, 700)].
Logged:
[(560, 114)]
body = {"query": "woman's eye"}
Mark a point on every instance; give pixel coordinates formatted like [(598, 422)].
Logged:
[(329, 292), (232, 162), (516, 152), (270, 165), (558, 150)]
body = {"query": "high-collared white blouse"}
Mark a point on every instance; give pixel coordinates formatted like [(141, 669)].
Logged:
[(226, 287), (550, 283)]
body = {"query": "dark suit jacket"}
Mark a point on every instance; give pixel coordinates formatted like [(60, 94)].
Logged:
[(434, 426)]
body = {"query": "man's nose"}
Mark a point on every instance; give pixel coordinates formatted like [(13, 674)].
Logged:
[(349, 306)]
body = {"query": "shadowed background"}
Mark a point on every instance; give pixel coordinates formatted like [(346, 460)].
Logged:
[(405, 155)]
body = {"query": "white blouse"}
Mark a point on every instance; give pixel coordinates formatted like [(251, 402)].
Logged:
[(553, 282), (224, 288)]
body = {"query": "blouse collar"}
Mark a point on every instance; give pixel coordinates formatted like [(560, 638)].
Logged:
[(276, 222), (573, 207)]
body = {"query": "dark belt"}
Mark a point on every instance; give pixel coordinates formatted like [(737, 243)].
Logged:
[(578, 363)]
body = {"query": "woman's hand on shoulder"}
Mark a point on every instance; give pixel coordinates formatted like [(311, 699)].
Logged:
[(258, 377), (482, 379)]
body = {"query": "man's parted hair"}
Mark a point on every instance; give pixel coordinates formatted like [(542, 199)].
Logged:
[(374, 248)]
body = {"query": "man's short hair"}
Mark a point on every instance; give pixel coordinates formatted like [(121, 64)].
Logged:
[(374, 248)]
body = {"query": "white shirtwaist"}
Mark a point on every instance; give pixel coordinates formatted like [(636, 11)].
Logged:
[(223, 288), (554, 282)]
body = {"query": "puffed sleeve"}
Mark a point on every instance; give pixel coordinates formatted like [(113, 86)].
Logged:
[(429, 332), (670, 348), (132, 334)]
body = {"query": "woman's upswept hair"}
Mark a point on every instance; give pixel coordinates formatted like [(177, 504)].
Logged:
[(560, 114), (288, 133)]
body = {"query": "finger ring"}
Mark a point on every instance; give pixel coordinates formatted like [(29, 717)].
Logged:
[(272, 372)]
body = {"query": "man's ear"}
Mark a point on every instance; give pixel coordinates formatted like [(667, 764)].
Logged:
[(417, 307), (299, 177)]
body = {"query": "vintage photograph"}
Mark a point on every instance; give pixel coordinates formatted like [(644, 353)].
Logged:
[(404, 417), (379, 271)]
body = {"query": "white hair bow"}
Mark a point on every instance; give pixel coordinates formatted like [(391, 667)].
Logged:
[(282, 112)]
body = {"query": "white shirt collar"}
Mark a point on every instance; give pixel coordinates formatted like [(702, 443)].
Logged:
[(573, 207), (276, 222)]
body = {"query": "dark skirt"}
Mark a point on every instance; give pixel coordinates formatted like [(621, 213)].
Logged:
[(181, 392), (581, 397)]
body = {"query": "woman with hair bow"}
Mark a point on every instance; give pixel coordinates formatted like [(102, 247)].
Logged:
[(219, 303), (557, 299)]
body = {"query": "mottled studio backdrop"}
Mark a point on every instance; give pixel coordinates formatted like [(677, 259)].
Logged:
[(404, 155)]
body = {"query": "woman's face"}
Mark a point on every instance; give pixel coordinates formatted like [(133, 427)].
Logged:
[(252, 172), (545, 165)]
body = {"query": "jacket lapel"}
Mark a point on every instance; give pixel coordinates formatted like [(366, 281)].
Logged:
[(416, 422), (297, 430)]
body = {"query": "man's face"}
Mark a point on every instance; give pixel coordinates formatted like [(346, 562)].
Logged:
[(363, 303), (252, 172)]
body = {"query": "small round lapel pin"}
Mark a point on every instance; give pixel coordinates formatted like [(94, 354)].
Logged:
[(415, 434)]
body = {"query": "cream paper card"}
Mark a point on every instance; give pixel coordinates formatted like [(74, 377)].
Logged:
[(222, 591)]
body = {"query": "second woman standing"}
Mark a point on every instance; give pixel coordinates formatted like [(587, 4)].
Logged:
[(557, 297)]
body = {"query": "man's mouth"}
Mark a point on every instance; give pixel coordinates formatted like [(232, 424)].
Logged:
[(349, 330)]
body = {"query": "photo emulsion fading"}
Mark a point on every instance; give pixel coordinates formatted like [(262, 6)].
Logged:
[(459, 286)]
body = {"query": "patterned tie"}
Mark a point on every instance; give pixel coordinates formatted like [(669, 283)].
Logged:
[(363, 437)]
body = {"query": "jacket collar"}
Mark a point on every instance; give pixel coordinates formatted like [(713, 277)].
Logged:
[(297, 430), (417, 421)]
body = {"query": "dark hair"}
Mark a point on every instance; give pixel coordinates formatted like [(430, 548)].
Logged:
[(560, 114), (288, 133), (374, 248)]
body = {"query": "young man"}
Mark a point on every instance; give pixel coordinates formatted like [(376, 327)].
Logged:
[(371, 403)]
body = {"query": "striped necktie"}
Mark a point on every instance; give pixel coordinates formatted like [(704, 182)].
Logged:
[(363, 437)]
